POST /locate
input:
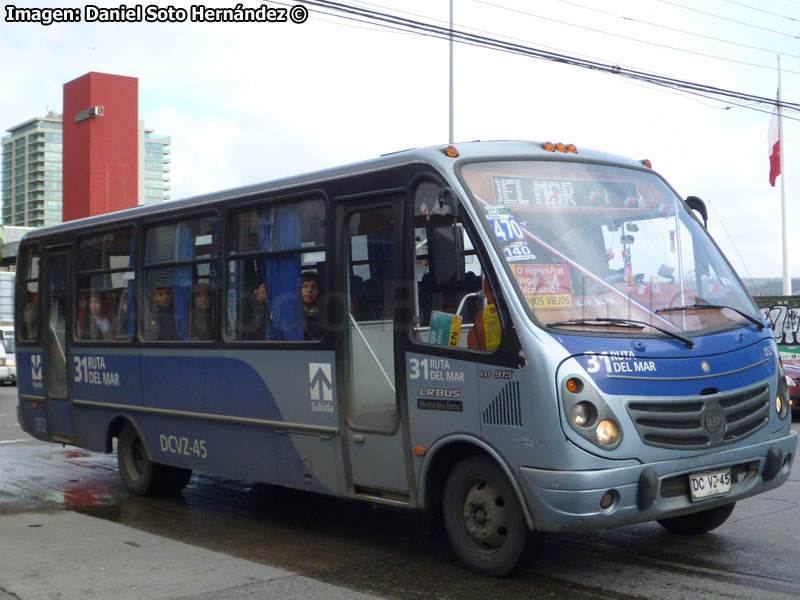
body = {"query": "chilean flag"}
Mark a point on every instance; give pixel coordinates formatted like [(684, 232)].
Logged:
[(774, 142)]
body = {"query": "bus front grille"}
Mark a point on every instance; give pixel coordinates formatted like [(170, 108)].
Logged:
[(701, 422)]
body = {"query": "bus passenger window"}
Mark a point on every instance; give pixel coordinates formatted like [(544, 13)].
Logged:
[(28, 290), (104, 305), (275, 251), (181, 280)]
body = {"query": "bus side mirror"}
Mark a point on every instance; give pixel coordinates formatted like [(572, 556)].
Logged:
[(697, 205), (447, 255)]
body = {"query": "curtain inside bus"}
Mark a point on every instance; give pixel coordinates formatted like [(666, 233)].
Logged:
[(280, 230), (184, 250)]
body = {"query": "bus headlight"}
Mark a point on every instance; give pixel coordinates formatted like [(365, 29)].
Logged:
[(581, 414), (588, 414), (607, 432)]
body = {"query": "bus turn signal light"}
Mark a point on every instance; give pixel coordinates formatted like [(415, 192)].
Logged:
[(420, 451), (646, 162), (574, 385), (451, 152), (551, 147)]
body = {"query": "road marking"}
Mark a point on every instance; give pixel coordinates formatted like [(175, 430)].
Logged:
[(12, 441)]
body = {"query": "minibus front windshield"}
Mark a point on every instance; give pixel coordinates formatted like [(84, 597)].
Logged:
[(606, 250)]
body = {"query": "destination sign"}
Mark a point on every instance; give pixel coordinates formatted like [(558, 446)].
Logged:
[(563, 193)]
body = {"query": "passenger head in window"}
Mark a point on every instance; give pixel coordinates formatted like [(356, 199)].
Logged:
[(162, 318), (312, 315), (201, 318), (96, 326), (253, 314)]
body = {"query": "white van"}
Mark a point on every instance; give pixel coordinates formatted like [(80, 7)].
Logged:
[(8, 363)]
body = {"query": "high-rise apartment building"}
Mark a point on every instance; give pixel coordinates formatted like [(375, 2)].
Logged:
[(31, 180), (153, 166), (32, 171)]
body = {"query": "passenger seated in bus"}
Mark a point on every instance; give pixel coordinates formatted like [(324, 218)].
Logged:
[(312, 313), (201, 317), (486, 332), (96, 326), (162, 316), (253, 316)]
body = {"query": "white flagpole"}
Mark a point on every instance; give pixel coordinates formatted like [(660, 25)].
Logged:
[(787, 276), (451, 132)]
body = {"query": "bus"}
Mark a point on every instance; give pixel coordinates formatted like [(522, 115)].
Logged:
[(514, 337)]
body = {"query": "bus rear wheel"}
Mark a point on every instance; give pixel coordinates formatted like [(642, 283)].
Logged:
[(483, 518), (140, 475), (699, 522)]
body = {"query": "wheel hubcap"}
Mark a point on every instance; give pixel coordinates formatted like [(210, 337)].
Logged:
[(486, 516)]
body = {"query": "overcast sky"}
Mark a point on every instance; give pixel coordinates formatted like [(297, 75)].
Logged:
[(245, 103)]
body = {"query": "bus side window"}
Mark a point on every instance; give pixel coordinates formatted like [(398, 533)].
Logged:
[(275, 251), (104, 306), (28, 282), (180, 280)]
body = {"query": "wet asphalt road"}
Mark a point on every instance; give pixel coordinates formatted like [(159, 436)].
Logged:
[(383, 553)]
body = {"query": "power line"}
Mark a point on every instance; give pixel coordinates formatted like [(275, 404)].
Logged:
[(760, 10), (745, 23), (624, 37), (676, 29), (505, 37), (431, 30)]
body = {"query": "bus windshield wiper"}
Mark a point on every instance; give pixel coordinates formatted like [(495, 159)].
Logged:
[(629, 323), (750, 318)]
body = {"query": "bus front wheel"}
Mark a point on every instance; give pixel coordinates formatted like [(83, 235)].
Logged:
[(483, 518), (140, 475), (699, 522)]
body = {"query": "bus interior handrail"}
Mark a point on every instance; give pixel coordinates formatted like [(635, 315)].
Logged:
[(371, 351)]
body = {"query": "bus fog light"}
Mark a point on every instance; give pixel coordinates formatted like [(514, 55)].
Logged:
[(581, 414), (607, 432), (608, 499), (780, 406)]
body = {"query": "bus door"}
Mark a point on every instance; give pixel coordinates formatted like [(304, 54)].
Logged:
[(56, 352), (370, 246)]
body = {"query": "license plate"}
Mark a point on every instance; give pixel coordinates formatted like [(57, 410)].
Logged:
[(709, 483)]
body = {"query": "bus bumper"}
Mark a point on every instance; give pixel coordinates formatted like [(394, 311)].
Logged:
[(571, 500)]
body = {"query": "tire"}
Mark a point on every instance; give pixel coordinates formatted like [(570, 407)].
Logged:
[(135, 467), (140, 475), (699, 522), (483, 518)]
